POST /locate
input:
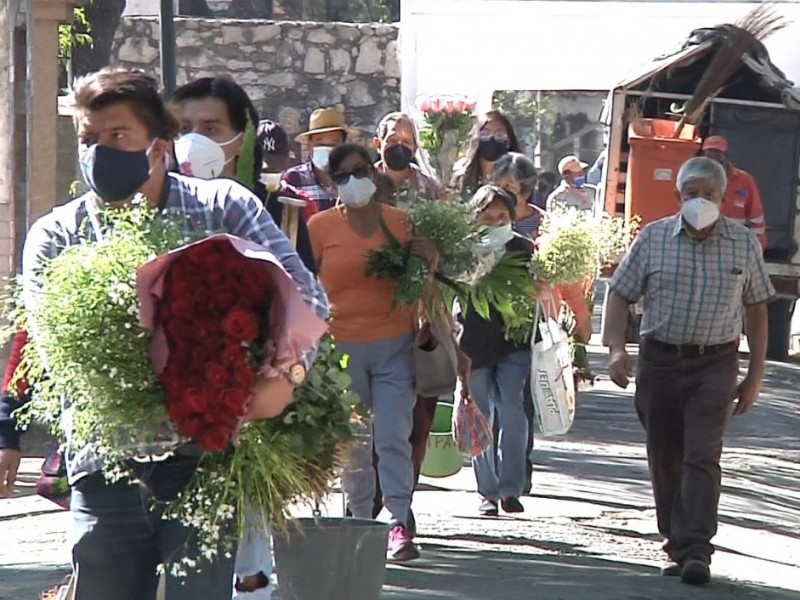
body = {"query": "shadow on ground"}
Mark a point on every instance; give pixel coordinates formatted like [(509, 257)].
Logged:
[(446, 572), (16, 582)]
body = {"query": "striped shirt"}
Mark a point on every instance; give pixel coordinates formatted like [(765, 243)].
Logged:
[(304, 176), (530, 225), (693, 291), (218, 205), (743, 203)]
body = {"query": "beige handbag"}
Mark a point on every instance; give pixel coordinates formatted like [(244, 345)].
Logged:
[(436, 368)]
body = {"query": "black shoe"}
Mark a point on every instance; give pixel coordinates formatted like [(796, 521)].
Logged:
[(512, 505), (695, 572), (488, 508), (671, 569)]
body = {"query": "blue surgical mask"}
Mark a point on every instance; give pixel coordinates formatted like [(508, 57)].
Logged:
[(579, 181), (115, 175)]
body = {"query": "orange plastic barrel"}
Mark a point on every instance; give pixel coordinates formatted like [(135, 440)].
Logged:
[(653, 162)]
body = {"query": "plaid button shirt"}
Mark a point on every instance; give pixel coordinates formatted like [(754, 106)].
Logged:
[(219, 205), (304, 177), (694, 291)]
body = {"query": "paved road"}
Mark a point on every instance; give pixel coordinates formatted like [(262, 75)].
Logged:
[(588, 532)]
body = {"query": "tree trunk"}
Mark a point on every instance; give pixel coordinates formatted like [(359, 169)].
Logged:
[(195, 8), (104, 17)]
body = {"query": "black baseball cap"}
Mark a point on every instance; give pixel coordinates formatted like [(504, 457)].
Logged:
[(273, 138)]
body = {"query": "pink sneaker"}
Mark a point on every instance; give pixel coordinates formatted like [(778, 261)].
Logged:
[(401, 548)]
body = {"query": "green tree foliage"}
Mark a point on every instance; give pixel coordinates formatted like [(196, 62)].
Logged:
[(533, 114)]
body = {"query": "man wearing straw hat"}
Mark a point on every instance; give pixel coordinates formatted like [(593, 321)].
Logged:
[(326, 130)]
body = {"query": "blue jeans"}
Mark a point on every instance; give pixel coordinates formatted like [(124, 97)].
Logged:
[(383, 379), (500, 389), (120, 538)]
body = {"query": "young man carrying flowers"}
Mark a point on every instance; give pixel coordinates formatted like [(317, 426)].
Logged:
[(125, 135)]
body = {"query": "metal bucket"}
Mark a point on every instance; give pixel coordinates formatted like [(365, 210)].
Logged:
[(331, 558)]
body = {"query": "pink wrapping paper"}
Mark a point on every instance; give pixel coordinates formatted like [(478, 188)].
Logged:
[(294, 326)]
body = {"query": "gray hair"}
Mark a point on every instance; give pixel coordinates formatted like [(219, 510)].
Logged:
[(520, 168), (701, 167)]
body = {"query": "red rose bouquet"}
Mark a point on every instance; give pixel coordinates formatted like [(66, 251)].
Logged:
[(209, 306)]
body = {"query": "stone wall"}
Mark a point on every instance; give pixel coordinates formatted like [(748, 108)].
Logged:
[(288, 68)]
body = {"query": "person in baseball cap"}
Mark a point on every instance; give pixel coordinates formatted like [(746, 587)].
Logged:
[(275, 143), (742, 202), (572, 192)]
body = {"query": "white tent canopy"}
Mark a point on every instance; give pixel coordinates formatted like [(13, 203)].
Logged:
[(475, 47)]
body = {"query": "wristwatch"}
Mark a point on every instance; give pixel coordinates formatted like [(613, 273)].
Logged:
[(296, 374)]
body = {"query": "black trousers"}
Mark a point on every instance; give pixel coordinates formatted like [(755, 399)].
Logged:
[(684, 405)]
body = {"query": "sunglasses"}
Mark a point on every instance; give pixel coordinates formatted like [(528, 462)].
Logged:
[(359, 173)]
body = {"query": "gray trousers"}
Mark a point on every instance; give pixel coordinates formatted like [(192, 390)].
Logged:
[(383, 379), (684, 404)]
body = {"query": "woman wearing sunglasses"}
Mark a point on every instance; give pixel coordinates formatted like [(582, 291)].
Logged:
[(377, 337), (491, 138)]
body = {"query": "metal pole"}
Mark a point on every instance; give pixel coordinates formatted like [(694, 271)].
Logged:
[(168, 67)]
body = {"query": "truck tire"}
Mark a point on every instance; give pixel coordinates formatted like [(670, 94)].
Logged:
[(779, 314)]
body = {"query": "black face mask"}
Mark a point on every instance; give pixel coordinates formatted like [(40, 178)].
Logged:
[(542, 187), (398, 157), (114, 175), (492, 149)]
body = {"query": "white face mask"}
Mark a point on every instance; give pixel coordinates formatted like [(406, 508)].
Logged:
[(200, 156), (497, 237), (319, 156), (356, 192), (699, 212)]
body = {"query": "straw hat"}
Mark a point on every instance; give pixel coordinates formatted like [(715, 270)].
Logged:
[(324, 120)]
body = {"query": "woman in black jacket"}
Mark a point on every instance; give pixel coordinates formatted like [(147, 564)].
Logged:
[(500, 369)]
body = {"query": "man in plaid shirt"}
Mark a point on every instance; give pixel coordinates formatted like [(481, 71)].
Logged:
[(697, 272), (125, 135)]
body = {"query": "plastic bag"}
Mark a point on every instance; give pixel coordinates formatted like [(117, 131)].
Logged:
[(552, 383), (470, 428)]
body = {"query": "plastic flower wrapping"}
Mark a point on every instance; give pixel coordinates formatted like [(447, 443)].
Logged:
[(446, 123), (148, 337)]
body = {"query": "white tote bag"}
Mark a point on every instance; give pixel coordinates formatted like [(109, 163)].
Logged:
[(552, 384)]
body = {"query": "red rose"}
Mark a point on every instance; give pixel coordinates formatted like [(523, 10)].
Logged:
[(235, 401), (193, 400), (200, 355), (216, 374), (222, 299), (257, 285), (214, 439), (192, 427), (240, 325), (178, 413), (179, 331), (232, 355), (244, 377)]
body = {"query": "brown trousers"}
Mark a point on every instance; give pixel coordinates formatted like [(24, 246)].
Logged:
[(684, 405), (424, 411)]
